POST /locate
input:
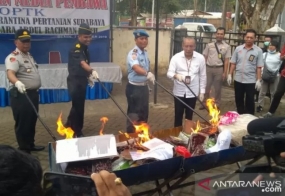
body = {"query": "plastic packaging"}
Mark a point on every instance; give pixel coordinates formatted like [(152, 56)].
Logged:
[(182, 151), (229, 118)]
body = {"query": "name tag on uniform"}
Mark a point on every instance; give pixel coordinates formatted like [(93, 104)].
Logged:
[(251, 58), (188, 79), (220, 56)]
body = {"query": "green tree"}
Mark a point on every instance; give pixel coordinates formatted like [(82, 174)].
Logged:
[(261, 14)]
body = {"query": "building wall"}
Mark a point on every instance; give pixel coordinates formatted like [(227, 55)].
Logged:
[(123, 42)]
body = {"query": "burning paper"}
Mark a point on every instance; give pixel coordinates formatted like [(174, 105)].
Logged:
[(214, 112), (86, 148), (143, 132)]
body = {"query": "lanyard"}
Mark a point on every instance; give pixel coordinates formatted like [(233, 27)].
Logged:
[(188, 65)]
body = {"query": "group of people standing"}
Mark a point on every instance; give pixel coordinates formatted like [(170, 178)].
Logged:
[(193, 75)]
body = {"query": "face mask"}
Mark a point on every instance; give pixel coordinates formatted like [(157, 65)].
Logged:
[(271, 52), (266, 43)]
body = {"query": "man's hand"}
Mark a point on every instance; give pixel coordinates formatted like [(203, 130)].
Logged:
[(91, 81), (150, 77), (201, 96), (95, 74), (179, 77), (20, 86), (229, 80), (258, 85), (106, 185)]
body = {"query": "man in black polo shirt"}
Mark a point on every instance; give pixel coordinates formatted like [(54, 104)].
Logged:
[(77, 80)]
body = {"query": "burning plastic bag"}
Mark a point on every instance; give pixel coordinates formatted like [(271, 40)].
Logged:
[(229, 118)]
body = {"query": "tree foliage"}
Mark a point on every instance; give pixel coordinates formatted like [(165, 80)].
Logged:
[(261, 14)]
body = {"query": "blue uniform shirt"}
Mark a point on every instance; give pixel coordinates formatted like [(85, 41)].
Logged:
[(137, 57)]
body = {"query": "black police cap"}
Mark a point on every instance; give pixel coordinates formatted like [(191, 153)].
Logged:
[(23, 34), (84, 29)]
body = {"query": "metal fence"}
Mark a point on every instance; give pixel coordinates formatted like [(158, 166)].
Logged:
[(202, 38)]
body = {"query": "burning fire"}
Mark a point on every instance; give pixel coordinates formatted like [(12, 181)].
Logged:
[(67, 132), (143, 132), (103, 120), (198, 127), (214, 112)]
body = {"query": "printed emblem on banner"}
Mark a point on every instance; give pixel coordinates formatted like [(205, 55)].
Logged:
[(25, 33), (134, 56), (12, 59), (251, 58), (77, 45)]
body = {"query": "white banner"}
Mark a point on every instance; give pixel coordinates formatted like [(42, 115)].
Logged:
[(54, 17)]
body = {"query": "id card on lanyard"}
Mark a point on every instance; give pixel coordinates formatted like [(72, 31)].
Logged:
[(188, 78)]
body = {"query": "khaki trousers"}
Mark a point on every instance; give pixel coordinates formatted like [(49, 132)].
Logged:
[(215, 78)]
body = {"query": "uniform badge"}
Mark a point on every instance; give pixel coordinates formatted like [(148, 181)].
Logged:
[(138, 34), (26, 61), (220, 56), (77, 51), (135, 50), (25, 33), (77, 45), (12, 59), (251, 58), (134, 56), (29, 70)]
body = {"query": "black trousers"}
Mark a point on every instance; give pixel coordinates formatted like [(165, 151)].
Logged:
[(77, 89), (25, 117), (248, 90), (137, 98), (278, 95), (180, 108), (267, 125)]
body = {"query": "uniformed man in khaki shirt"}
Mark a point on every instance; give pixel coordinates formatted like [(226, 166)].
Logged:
[(22, 72), (217, 55)]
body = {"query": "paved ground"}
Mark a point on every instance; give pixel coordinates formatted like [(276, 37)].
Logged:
[(159, 118)]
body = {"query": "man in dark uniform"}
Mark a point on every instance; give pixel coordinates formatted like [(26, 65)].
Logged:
[(24, 77), (79, 74)]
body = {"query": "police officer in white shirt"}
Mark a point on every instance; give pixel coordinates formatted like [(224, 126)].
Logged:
[(24, 77), (187, 66)]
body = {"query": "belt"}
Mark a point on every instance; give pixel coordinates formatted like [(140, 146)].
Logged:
[(32, 90), (138, 83), (215, 66)]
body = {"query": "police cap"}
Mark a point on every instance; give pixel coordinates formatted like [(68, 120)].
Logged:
[(84, 29), (140, 33), (23, 35)]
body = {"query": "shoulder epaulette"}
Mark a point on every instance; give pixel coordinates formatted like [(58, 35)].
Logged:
[(15, 53)]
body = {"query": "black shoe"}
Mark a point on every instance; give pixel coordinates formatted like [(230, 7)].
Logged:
[(259, 108), (37, 148), (79, 135)]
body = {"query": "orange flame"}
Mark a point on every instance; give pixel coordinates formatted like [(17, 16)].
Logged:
[(67, 132), (126, 135), (143, 132), (103, 120), (198, 127), (214, 112)]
